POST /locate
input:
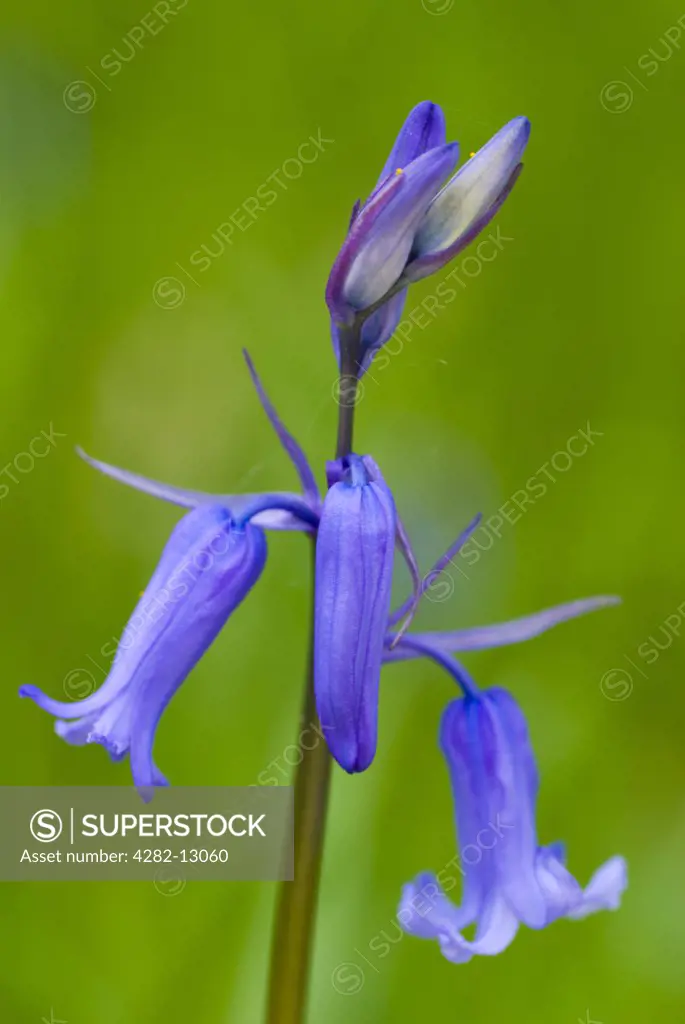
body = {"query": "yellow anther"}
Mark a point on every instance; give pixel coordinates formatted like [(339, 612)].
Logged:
[(399, 171), (472, 154)]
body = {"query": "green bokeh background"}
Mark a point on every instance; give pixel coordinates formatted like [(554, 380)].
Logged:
[(579, 318)]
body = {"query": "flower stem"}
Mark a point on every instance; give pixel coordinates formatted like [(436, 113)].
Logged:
[(350, 349), (293, 936), (296, 910)]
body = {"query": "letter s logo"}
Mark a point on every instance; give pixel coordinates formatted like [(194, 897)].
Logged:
[(46, 826)]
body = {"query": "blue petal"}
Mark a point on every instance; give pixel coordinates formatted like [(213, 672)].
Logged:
[(354, 562), (424, 129), (377, 247), (466, 737), (559, 888), (604, 890), (512, 787), (433, 916), (361, 227), (382, 258), (425, 910), (206, 569), (565, 897)]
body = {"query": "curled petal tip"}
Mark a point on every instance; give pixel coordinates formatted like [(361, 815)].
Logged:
[(423, 129)]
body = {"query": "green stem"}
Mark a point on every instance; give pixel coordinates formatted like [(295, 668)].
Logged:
[(350, 345), (296, 910), (293, 936)]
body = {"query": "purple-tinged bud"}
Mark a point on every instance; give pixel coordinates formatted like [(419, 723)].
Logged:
[(380, 239), (469, 200)]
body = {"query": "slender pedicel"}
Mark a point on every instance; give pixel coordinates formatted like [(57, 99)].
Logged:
[(293, 933)]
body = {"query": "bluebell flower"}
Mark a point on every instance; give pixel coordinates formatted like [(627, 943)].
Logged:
[(212, 560), (353, 582), (207, 568), (410, 226), (508, 879)]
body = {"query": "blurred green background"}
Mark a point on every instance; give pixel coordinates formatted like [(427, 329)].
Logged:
[(107, 187)]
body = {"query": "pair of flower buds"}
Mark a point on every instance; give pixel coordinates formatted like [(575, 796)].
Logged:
[(412, 224)]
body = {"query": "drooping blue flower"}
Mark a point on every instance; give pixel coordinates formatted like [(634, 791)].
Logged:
[(354, 561), (213, 558), (410, 226), (508, 879), (207, 568)]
